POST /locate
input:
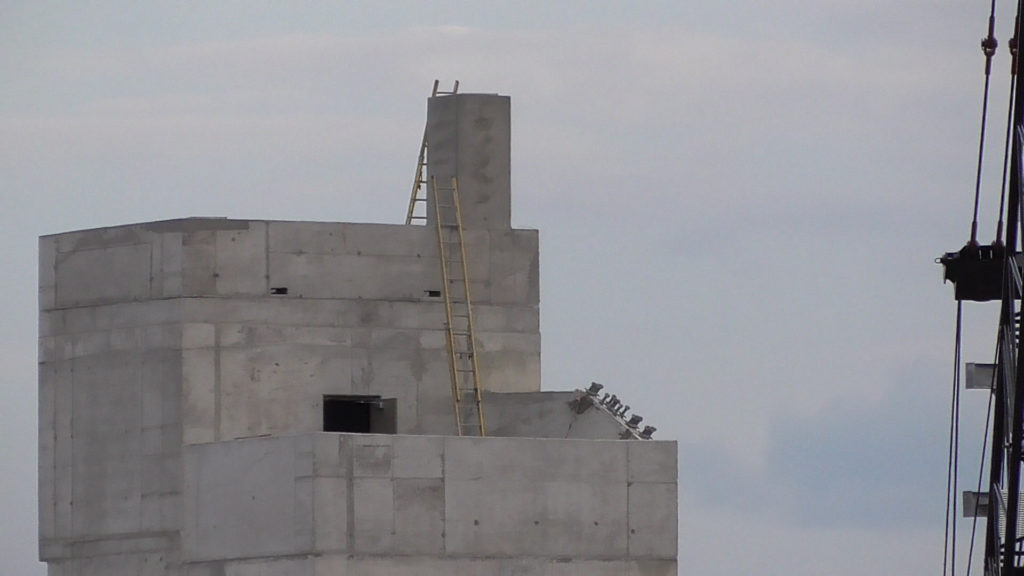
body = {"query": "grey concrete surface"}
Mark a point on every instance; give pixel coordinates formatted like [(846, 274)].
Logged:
[(469, 138), (441, 498), (548, 415), (183, 366)]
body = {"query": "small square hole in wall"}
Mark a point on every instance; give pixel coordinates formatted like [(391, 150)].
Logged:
[(279, 291), (433, 293)]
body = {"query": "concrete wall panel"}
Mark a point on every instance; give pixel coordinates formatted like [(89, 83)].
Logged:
[(528, 458), (509, 497), (469, 137), (515, 267), (353, 276), (535, 517), (372, 457), (652, 520), (99, 275), (509, 371), (279, 389), (418, 457), (47, 450), (306, 237), (652, 461), (390, 240), (488, 318), (330, 515), (373, 515), (419, 515), (198, 335), (62, 469), (199, 403), (245, 501), (106, 444), (167, 281), (242, 261), (199, 263), (547, 501)]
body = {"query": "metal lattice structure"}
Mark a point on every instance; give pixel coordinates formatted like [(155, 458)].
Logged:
[(989, 273), (1003, 544)]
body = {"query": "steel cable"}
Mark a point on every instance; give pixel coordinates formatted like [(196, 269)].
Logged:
[(949, 546), (988, 47)]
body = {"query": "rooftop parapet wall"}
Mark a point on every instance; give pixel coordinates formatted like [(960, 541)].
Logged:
[(445, 498), (199, 257)]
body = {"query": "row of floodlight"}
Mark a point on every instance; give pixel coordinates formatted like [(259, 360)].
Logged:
[(615, 406)]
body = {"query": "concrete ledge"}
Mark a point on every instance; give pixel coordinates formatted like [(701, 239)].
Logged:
[(424, 565), (51, 549)]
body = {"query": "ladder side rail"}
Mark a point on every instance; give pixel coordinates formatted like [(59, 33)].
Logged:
[(417, 182), (449, 333), (421, 162), (469, 309)]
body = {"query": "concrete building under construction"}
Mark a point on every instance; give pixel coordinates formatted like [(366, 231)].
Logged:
[(239, 398)]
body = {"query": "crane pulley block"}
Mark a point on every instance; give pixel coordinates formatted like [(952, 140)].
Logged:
[(976, 271)]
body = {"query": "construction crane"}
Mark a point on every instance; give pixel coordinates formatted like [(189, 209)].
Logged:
[(992, 273)]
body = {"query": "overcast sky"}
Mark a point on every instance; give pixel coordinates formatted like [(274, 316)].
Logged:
[(739, 206)]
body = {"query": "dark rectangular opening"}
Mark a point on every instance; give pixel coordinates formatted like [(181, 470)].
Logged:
[(359, 414), (279, 291), (433, 293)]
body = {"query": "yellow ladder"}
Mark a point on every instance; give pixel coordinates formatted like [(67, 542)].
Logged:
[(418, 195), (461, 345)]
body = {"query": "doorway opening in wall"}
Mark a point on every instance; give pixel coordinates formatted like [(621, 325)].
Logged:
[(359, 414)]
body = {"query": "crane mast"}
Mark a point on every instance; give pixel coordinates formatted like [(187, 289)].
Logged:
[(992, 272)]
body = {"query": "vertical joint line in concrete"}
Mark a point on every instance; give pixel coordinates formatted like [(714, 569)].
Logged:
[(444, 496), (71, 452), (152, 264), (266, 258), (216, 381), (345, 457), (629, 488)]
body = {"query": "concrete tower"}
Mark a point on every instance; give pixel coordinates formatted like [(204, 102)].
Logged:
[(238, 398)]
